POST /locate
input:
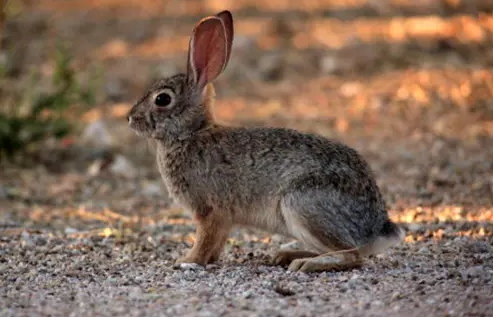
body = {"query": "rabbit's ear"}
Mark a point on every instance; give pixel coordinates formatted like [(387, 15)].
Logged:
[(227, 20), (207, 52)]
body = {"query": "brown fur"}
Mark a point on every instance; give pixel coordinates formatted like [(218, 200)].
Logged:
[(211, 234)]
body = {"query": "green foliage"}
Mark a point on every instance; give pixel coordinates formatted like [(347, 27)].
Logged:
[(44, 114)]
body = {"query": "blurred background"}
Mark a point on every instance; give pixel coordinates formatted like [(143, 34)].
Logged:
[(409, 84)]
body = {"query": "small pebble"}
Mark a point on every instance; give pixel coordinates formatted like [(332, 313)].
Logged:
[(188, 266)]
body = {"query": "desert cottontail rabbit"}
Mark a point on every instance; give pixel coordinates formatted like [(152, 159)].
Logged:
[(316, 190)]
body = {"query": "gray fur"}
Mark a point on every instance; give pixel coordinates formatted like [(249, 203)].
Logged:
[(280, 180)]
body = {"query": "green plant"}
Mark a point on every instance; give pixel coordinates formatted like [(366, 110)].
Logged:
[(44, 114)]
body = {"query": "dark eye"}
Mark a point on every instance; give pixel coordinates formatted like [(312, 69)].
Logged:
[(162, 100)]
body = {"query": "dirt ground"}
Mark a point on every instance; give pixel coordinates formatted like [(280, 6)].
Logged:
[(87, 229)]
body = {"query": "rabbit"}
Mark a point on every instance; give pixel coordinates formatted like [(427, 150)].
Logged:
[(313, 189)]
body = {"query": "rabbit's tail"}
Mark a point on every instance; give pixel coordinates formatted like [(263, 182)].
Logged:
[(390, 234)]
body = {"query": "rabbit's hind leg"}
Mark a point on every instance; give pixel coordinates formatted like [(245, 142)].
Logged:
[(332, 261), (285, 257), (322, 224)]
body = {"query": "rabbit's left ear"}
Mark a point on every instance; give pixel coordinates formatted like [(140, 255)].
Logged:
[(208, 51)]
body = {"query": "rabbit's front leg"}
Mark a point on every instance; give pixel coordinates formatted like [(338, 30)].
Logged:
[(218, 249), (211, 234)]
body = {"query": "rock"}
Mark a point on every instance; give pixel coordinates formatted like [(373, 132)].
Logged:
[(271, 67), (415, 227), (121, 166), (205, 313), (114, 90), (3, 192), (343, 278), (475, 271), (96, 134), (95, 168), (451, 274), (152, 189), (246, 294), (394, 262), (243, 42), (40, 241), (26, 238), (70, 230), (188, 267), (268, 284), (396, 296), (478, 247), (329, 64)]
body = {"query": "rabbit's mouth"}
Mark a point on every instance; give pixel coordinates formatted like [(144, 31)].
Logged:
[(138, 126)]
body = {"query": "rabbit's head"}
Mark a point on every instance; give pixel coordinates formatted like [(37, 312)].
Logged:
[(180, 105)]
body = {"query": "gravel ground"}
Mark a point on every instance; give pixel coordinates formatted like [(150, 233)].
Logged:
[(86, 227), (46, 274)]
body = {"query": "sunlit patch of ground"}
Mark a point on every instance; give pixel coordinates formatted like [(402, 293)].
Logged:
[(443, 214)]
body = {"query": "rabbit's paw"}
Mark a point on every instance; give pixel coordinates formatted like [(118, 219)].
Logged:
[(328, 262)]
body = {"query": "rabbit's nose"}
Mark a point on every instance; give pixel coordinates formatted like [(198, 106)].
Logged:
[(129, 119)]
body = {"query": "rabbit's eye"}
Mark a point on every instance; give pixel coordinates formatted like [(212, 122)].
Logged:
[(162, 100)]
